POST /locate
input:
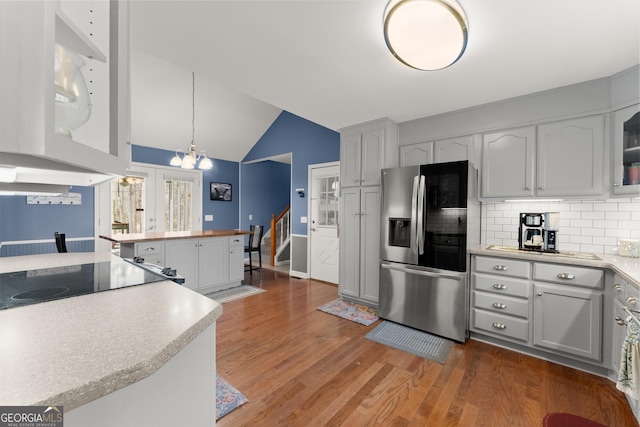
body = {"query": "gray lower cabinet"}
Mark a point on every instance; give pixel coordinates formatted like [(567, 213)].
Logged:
[(207, 264), (568, 319), (550, 307), (625, 295), (152, 252), (360, 244)]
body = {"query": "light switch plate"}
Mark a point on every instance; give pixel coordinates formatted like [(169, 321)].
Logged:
[(208, 217), (303, 219), (250, 217)]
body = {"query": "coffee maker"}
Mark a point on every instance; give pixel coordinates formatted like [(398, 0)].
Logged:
[(531, 232)]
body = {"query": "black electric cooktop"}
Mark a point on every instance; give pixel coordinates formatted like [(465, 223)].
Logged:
[(34, 286)]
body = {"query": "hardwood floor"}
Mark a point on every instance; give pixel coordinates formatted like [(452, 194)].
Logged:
[(302, 367)]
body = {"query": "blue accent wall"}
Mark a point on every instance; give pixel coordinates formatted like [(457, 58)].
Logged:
[(225, 214), (20, 221), (266, 187), (309, 144)]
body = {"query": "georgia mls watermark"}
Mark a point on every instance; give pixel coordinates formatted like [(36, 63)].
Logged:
[(31, 416)]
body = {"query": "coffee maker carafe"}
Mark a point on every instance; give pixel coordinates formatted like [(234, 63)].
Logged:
[(531, 232)]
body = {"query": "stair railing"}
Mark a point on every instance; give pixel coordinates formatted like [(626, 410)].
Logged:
[(280, 231)]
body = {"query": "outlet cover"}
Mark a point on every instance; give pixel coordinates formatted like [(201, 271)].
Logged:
[(303, 219), (250, 217), (208, 218)]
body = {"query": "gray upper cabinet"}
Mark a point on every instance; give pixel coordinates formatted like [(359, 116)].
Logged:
[(557, 159), (36, 117), (570, 158), (416, 154), (441, 151), (366, 149), (626, 151), (453, 149), (361, 158), (507, 163)]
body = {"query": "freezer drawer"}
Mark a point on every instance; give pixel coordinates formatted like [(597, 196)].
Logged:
[(433, 301)]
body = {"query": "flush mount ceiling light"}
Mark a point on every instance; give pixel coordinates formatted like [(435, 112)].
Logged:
[(425, 34), (191, 157)]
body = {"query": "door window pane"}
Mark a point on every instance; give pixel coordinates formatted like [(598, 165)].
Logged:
[(177, 197), (127, 205), (327, 202)]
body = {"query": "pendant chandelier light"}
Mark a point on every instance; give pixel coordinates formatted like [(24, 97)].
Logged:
[(425, 34), (191, 157)]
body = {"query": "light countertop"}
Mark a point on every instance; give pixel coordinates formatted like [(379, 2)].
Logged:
[(627, 268), (72, 351), (170, 235)]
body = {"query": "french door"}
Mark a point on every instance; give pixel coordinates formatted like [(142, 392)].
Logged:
[(149, 199)]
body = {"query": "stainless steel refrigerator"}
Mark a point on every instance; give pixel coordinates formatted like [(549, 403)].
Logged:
[(430, 216)]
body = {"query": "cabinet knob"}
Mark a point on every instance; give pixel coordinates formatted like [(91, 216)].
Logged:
[(541, 187), (566, 276), (499, 305), (527, 188), (500, 267), (499, 325), (620, 321), (499, 286), (615, 184), (632, 300), (149, 249), (617, 287), (539, 294)]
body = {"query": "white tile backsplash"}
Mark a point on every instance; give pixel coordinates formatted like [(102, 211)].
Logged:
[(585, 226)]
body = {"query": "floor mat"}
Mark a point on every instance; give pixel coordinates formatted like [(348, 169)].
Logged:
[(234, 293), (228, 398), (412, 340), (351, 311)]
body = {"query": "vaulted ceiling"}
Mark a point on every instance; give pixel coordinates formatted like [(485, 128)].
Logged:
[(327, 62)]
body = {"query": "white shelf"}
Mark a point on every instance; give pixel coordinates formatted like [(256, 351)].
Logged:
[(69, 35)]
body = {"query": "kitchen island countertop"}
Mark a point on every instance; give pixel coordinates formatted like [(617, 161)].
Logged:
[(72, 351), (170, 235), (628, 268)]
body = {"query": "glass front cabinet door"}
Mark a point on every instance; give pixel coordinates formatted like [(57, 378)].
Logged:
[(626, 154)]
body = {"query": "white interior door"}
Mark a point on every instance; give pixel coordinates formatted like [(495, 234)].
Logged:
[(323, 224)]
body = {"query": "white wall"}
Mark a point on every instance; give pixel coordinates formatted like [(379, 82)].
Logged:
[(585, 226)]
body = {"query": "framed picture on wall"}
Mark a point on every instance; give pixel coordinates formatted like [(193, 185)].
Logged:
[(220, 191)]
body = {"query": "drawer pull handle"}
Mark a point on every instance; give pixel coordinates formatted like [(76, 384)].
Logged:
[(499, 305), (620, 321), (149, 249), (500, 267), (498, 325), (499, 286), (565, 276), (617, 287), (632, 300)]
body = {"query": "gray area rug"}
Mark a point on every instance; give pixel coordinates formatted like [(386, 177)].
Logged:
[(412, 340), (234, 293)]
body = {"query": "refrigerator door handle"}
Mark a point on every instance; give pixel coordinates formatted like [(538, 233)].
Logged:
[(414, 219), (421, 196), (421, 272)]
